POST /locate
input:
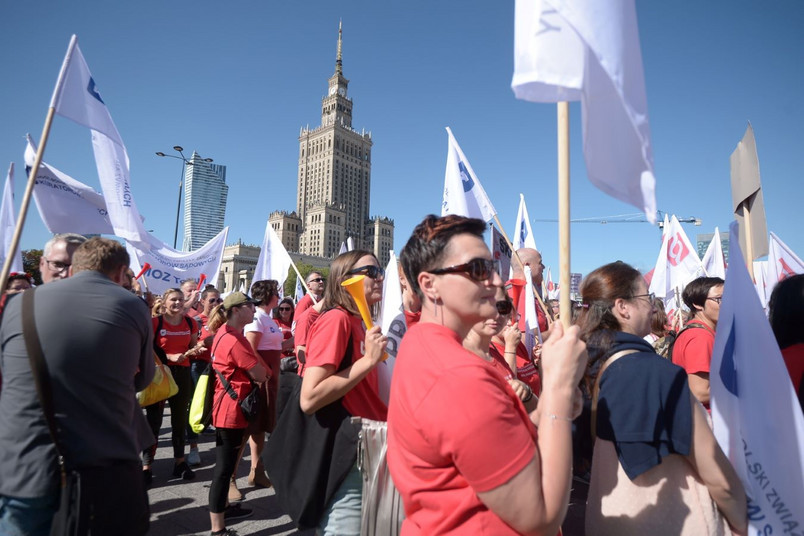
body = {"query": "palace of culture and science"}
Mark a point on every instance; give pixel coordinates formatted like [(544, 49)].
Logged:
[(334, 186)]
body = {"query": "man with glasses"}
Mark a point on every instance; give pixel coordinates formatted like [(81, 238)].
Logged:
[(57, 256), (531, 257), (316, 283), (692, 349)]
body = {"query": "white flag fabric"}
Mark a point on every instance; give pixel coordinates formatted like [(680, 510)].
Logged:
[(8, 222), (350, 244), (170, 267), (782, 262), (393, 325), (713, 262), (532, 333), (463, 193), (65, 204), (500, 250), (589, 50), (299, 292), (761, 282), (677, 265), (755, 411), (343, 248), (523, 234), (274, 261), (552, 288), (76, 97)]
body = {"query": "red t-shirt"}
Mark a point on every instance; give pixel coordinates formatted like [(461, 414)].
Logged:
[(455, 428), (326, 345), (233, 357), (174, 339), (794, 359), (526, 369), (304, 303), (287, 332), (692, 350)]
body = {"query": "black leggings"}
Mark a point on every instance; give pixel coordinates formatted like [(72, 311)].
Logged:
[(179, 414), (227, 445)]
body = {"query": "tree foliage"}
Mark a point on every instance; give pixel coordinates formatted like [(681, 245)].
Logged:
[(30, 263)]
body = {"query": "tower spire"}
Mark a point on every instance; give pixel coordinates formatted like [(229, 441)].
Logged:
[(339, 57)]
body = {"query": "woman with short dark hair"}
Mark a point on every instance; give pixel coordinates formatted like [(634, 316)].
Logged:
[(657, 468)]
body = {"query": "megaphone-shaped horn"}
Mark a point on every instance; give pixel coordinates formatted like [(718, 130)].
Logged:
[(515, 291), (354, 286)]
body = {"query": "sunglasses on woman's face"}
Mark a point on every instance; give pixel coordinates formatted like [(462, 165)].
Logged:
[(504, 307), (374, 272), (285, 309), (477, 269)]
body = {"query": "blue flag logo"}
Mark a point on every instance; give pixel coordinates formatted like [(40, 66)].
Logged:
[(728, 374), (466, 177), (94, 92)]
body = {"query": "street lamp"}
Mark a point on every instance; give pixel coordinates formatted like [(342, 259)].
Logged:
[(184, 162)]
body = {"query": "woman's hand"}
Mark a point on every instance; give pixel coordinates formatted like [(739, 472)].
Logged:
[(563, 358), (520, 388), (512, 336), (375, 345), (176, 358)]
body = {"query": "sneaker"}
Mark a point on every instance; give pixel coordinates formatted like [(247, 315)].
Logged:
[(236, 512), (193, 458), (224, 532), (183, 470), (234, 494)]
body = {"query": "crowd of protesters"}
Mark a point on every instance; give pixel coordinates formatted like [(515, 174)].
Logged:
[(484, 432)]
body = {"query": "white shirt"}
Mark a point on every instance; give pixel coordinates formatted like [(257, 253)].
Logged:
[(271, 333)]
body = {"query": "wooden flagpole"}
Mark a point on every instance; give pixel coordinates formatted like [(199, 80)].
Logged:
[(749, 239), (564, 212), (26, 199)]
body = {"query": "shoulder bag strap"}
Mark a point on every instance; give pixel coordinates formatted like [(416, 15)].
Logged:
[(596, 389), (40, 372), (226, 385)]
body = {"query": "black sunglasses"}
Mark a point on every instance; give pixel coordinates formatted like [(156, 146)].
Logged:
[(478, 269), (285, 309), (374, 272), (504, 307), (317, 280)]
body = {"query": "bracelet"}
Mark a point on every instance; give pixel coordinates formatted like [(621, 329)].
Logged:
[(554, 417), (530, 394), (511, 353)]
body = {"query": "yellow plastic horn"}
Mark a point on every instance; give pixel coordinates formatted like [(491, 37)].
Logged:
[(354, 286)]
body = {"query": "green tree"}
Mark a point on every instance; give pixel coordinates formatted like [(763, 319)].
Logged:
[(304, 269), (30, 263)]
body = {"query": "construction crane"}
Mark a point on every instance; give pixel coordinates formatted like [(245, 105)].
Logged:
[(637, 217)]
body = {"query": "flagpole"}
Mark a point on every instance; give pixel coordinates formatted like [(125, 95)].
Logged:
[(298, 275), (562, 109), (26, 199), (749, 240), (522, 265)]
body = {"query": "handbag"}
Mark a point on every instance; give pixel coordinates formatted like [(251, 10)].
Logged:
[(85, 505), (382, 511), (307, 457), (250, 404), (162, 387)]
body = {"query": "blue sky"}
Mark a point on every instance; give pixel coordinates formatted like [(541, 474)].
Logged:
[(236, 80)]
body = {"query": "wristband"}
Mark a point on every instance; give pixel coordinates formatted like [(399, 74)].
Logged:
[(530, 394)]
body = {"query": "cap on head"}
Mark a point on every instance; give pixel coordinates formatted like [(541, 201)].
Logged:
[(234, 299)]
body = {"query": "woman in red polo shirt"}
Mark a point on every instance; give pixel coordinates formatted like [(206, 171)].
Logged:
[(236, 361), (326, 379), (462, 450)]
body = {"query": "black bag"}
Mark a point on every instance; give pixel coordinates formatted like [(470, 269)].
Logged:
[(250, 404), (308, 457)]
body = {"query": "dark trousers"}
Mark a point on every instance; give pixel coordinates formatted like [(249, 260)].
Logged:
[(227, 445), (179, 414)]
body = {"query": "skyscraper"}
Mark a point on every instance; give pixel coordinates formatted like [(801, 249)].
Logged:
[(204, 202), (334, 183)]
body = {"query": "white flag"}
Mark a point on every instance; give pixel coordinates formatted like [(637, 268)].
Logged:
[(350, 244), (170, 267), (713, 262), (65, 204), (677, 265), (755, 412), (782, 263), (523, 234), (463, 193), (343, 248), (8, 222), (392, 323), (589, 50), (532, 333), (274, 261), (299, 293), (552, 288), (761, 282), (76, 97)]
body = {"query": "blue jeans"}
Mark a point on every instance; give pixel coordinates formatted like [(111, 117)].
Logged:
[(342, 516), (27, 517)]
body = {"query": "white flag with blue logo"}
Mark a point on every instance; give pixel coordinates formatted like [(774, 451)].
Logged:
[(299, 292), (65, 204), (523, 234), (588, 50), (755, 412), (463, 193), (274, 261), (8, 222), (76, 97), (393, 325)]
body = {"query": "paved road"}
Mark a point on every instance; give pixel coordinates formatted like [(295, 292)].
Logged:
[(179, 507)]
